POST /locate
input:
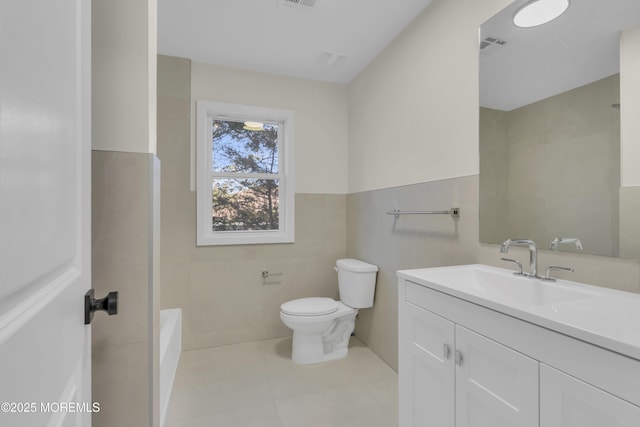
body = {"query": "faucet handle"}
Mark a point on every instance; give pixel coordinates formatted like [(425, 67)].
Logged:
[(547, 275), (518, 263)]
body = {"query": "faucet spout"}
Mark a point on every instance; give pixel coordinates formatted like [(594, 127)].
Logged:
[(533, 252), (504, 247)]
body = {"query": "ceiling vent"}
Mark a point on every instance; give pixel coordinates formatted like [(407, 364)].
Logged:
[(490, 41), (298, 4), (332, 58)]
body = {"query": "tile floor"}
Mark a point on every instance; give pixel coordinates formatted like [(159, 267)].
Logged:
[(257, 384)]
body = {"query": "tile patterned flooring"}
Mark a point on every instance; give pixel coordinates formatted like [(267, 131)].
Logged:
[(257, 384)]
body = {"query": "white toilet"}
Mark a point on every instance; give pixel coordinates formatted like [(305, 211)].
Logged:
[(322, 326)]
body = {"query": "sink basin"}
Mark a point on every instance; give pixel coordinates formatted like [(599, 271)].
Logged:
[(501, 286)]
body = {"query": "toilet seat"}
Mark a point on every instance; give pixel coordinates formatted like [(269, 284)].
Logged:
[(313, 306)]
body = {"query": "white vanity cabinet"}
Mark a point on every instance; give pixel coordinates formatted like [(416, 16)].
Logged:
[(464, 365), (451, 376), (426, 371), (566, 401), (495, 386)]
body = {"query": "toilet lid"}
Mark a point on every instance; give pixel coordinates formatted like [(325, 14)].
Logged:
[(315, 306)]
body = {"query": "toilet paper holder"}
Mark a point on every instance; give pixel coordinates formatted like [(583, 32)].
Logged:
[(265, 274)]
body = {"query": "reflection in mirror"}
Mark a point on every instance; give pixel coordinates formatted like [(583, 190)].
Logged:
[(550, 129)]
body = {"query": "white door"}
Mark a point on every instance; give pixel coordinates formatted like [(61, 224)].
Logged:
[(44, 212), (495, 386), (426, 375), (568, 402)]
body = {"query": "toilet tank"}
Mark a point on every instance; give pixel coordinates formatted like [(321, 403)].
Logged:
[(356, 282)]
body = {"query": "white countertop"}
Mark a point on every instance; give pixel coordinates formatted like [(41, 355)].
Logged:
[(604, 317)]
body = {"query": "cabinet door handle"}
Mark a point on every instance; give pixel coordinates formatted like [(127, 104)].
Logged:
[(459, 358), (446, 351)]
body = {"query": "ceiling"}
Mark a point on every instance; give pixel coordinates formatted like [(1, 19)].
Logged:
[(326, 40), (579, 47)]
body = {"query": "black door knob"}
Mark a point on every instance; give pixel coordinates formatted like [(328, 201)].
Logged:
[(91, 305)]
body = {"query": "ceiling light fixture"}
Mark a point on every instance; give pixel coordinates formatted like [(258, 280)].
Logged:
[(253, 126), (538, 12)]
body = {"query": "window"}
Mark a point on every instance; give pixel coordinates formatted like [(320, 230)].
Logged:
[(244, 180)]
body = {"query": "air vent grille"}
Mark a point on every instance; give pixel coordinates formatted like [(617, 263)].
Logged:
[(332, 58), (303, 4), (490, 41)]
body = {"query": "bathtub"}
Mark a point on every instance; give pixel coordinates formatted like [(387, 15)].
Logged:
[(170, 348)]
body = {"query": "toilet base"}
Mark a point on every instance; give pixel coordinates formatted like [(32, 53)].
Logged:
[(306, 347), (317, 347)]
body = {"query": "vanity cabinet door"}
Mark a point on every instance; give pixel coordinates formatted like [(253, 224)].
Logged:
[(426, 372), (495, 385), (566, 401)]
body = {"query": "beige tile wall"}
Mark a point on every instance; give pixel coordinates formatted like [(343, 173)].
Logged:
[(412, 241), (124, 247), (220, 289)]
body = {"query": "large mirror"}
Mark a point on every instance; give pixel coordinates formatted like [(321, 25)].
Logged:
[(550, 157)]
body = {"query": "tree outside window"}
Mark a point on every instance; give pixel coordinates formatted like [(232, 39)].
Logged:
[(244, 203)]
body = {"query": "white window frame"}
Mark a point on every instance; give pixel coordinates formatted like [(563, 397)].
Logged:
[(206, 111)]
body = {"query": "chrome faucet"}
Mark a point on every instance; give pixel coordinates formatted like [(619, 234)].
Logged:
[(533, 252), (560, 240)]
